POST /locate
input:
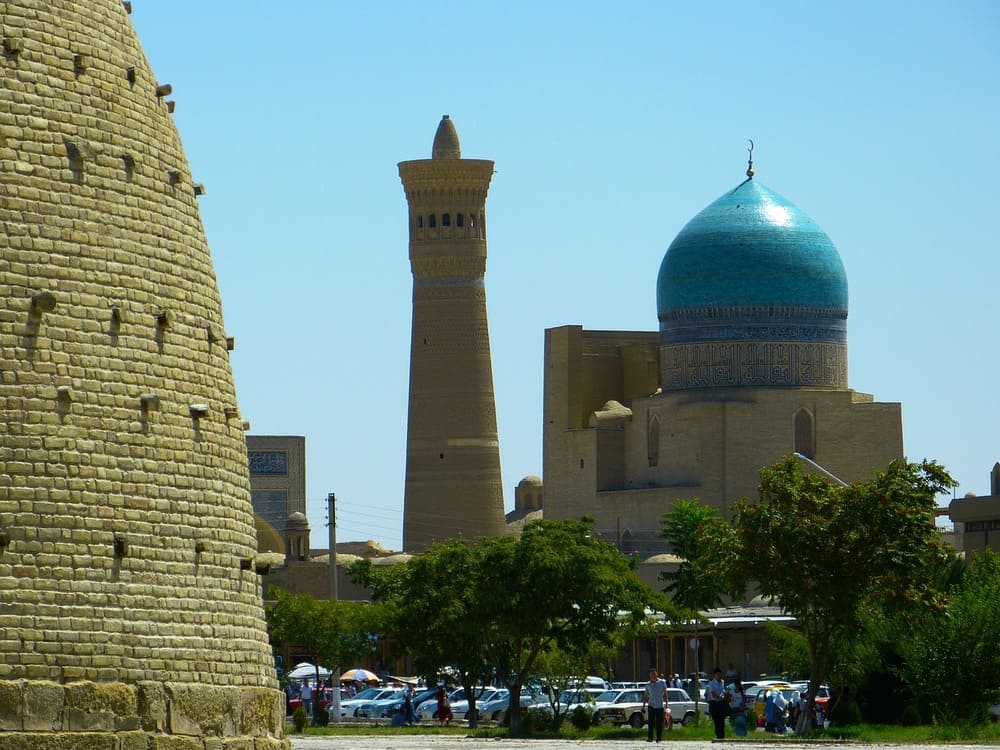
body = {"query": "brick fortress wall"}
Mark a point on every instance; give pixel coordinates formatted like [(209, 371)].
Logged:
[(129, 601)]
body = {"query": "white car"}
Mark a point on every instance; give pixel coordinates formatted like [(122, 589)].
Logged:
[(620, 707), (429, 707), (497, 707), (625, 707), (460, 704), (567, 700), (348, 707)]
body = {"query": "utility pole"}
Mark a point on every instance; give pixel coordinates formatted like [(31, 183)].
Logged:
[(331, 524)]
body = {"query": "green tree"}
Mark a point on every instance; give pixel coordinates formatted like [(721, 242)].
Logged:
[(696, 534), (332, 633), (432, 611), (826, 552), (951, 659), (560, 671), (555, 586)]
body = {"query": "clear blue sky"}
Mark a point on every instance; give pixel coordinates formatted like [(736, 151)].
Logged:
[(611, 125)]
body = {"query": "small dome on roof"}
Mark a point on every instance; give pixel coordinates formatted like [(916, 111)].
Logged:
[(530, 481)]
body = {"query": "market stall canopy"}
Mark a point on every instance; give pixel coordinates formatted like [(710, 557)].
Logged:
[(359, 675), (304, 670)]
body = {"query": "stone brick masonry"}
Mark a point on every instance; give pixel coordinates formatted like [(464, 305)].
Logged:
[(130, 607)]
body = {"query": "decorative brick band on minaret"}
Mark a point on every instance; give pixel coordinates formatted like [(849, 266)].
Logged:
[(130, 607), (453, 482)]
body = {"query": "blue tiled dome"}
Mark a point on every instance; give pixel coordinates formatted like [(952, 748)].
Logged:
[(749, 260), (751, 247)]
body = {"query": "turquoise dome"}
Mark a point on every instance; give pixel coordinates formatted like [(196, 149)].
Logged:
[(748, 263)]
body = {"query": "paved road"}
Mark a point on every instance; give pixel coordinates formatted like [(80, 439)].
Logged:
[(451, 742)]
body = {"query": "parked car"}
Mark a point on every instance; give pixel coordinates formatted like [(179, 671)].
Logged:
[(568, 699), (460, 705), (625, 707), (321, 698), (496, 709), (682, 708), (428, 708), (822, 696), (388, 708), (626, 685), (620, 707), (376, 709), (367, 695)]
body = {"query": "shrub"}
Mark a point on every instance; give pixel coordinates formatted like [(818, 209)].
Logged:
[(321, 718), (910, 717), (300, 719), (846, 713), (582, 717)]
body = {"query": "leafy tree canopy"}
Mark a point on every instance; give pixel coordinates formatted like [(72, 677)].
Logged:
[(333, 633), (432, 611), (697, 534)]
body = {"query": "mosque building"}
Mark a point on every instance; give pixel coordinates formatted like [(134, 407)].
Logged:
[(749, 365)]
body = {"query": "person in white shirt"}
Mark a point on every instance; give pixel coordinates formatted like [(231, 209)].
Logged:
[(716, 696), (737, 705), (656, 696)]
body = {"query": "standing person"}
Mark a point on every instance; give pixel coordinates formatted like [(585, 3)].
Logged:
[(444, 705), (716, 695), (738, 707), (656, 696), (307, 695), (408, 706)]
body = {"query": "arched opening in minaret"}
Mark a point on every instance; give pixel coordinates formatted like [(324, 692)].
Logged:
[(459, 220), (472, 220), (446, 220), (804, 437), (431, 221)]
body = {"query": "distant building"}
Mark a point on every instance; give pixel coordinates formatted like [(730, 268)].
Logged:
[(278, 488), (977, 518), (749, 365)]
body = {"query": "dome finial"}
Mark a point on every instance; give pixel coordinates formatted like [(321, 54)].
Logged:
[(750, 162), (446, 145)]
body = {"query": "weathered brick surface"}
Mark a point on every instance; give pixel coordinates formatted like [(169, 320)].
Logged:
[(111, 344)]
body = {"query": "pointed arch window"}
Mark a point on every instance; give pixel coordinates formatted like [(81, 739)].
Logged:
[(627, 544), (446, 220), (459, 220), (653, 441), (431, 221), (804, 437)]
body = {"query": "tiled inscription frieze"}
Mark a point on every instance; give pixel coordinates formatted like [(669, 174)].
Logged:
[(734, 364)]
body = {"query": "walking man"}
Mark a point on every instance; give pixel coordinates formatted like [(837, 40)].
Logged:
[(656, 696)]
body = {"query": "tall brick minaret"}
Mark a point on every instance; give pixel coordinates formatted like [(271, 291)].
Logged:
[(453, 483)]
